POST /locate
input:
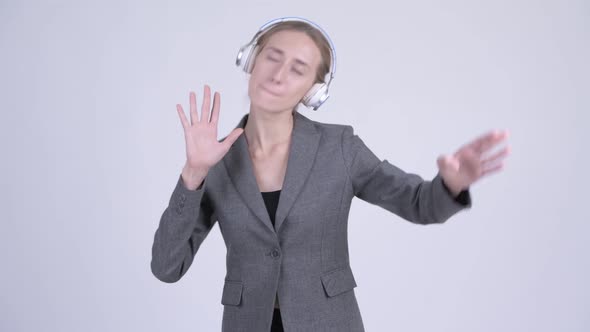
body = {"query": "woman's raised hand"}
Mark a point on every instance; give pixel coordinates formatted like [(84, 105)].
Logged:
[(203, 150), (473, 161)]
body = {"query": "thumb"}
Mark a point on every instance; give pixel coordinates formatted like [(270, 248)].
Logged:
[(446, 162), (232, 137)]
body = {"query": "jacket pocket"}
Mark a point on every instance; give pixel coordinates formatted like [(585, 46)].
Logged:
[(338, 281), (232, 292)]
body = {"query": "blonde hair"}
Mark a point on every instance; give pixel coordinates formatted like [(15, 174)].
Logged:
[(318, 38)]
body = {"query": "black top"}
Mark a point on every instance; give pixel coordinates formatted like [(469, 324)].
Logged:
[(271, 200)]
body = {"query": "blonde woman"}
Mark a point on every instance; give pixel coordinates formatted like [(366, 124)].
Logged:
[(281, 185)]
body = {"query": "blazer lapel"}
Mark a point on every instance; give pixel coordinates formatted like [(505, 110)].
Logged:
[(302, 151)]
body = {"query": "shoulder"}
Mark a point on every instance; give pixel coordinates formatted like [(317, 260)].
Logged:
[(329, 129)]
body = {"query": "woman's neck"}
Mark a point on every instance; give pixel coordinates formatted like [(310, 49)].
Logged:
[(266, 131)]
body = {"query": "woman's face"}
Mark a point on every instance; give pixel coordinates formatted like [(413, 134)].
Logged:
[(284, 70)]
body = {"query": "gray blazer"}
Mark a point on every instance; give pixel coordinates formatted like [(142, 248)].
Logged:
[(304, 258)]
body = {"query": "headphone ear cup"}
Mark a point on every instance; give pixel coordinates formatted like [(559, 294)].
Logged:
[(242, 60), (249, 65), (316, 96)]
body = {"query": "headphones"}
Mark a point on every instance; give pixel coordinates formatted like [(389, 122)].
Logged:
[(318, 93)]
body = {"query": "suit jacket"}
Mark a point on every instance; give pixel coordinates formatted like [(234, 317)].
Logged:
[(304, 258)]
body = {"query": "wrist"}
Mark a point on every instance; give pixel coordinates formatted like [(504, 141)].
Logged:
[(193, 176), (453, 190)]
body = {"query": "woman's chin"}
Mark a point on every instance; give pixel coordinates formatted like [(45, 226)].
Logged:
[(269, 104)]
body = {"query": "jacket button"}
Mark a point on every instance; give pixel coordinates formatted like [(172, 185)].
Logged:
[(275, 253), (181, 204)]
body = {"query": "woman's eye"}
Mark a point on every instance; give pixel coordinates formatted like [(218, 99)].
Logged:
[(297, 72), (272, 59)]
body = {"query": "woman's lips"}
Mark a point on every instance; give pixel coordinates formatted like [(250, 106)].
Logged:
[(269, 91)]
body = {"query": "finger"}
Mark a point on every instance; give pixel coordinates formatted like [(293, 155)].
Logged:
[(193, 111), (182, 116), (491, 169), (206, 107), (488, 140), (232, 137), (497, 156), (216, 106)]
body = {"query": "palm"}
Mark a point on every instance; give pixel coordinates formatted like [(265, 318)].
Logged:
[(203, 150)]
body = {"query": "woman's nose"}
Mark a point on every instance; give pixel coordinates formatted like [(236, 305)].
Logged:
[(279, 73)]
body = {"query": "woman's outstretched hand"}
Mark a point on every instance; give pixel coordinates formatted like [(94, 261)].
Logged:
[(470, 162), (203, 150)]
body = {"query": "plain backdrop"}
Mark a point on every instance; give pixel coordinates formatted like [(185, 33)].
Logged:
[(92, 146)]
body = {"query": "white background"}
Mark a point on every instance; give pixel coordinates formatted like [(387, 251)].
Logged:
[(92, 146)]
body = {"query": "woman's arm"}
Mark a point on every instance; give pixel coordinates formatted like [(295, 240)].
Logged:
[(183, 227), (187, 220), (404, 194)]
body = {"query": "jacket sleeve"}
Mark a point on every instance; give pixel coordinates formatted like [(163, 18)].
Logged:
[(183, 227), (404, 194)]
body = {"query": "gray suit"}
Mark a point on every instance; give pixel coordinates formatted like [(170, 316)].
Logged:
[(304, 257)]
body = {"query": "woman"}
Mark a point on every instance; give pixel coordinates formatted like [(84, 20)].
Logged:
[(293, 248)]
